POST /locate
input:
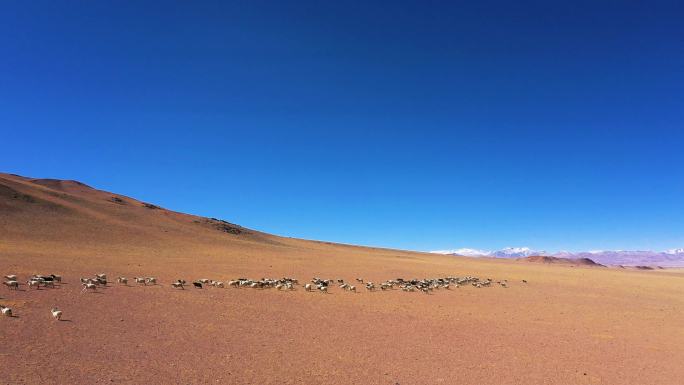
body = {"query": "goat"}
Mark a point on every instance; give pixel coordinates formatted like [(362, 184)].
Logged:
[(5, 310), (89, 286), (56, 313)]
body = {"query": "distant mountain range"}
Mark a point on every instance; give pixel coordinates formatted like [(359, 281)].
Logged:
[(667, 258)]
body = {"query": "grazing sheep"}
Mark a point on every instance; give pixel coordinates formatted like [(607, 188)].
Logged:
[(352, 288), (151, 281), (178, 285), (5, 311), (524, 281), (219, 284), (34, 283), (197, 285), (56, 313), (101, 276), (47, 283), (122, 280), (323, 289), (89, 286), (11, 277), (57, 278), (140, 280), (11, 285), (308, 287)]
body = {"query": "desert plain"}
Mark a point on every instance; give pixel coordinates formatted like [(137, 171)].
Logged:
[(569, 324)]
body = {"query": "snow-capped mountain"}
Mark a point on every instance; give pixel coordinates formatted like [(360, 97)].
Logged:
[(516, 252), (667, 258), (463, 252), (508, 252)]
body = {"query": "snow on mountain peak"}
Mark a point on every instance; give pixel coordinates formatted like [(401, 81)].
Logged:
[(672, 257)]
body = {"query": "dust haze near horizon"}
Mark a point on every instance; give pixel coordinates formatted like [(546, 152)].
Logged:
[(488, 125)]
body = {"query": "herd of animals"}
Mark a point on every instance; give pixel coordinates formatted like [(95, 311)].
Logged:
[(426, 285)]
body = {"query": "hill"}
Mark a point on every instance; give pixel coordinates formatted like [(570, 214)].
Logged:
[(559, 260)]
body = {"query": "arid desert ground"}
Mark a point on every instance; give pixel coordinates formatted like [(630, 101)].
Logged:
[(566, 325)]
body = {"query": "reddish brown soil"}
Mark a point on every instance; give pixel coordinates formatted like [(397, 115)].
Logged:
[(567, 325)]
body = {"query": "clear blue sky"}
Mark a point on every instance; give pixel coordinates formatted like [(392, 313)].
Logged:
[(419, 125)]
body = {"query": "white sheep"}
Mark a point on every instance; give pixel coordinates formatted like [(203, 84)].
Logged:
[(11, 285), (11, 277), (56, 313), (308, 287), (151, 280), (89, 286), (122, 280), (5, 311)]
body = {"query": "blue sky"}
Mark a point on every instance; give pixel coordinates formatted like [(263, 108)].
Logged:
[(417, 125)]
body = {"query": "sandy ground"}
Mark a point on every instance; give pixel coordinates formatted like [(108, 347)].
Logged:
[(567, 325)]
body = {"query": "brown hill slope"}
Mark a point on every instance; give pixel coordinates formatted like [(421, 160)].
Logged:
[(559, 260), (61, 221)]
